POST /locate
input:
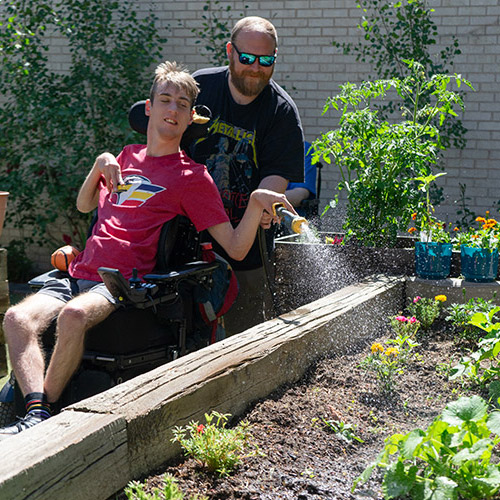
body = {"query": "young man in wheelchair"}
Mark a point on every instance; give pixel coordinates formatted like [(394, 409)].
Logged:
[(147, 186)]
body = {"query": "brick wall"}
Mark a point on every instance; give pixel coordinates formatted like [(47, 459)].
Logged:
[(311, 70)]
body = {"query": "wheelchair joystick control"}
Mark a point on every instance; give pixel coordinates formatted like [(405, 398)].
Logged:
[(294, 222), (134, 281)]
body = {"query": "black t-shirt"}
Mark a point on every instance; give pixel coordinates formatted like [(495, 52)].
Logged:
[(246, 143)]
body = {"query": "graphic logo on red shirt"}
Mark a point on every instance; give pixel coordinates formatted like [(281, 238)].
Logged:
[(135, 191)]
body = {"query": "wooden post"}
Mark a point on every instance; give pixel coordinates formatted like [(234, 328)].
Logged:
[(4, 304)]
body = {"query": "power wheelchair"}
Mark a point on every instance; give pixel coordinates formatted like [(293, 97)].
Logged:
[(172, 312)]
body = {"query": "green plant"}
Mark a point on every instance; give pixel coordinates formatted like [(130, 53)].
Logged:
[(460, 315), (214, 446), (426, 310), (397, 31), (170, 491), (54, 122), (344, 431), (486, 236), (431, 229), (385, 364), (215, 31), (482, 366), (379, 160), (403, 326), (449, 460)]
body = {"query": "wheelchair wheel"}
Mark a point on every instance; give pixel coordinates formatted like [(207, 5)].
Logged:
[(7, 413)]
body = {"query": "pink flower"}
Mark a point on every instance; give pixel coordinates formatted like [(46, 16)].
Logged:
[(400, 318), (416, 299), (200, 429), (412, 320)]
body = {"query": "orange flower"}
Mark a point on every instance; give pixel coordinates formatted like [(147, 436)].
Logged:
[(456, 229), (414, 216), (412, 230), (480, 219)]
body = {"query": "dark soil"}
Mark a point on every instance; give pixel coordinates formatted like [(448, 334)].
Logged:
[(305, 461)]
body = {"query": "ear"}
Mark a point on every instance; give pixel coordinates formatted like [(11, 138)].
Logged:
[(229, 48), (147, 108)]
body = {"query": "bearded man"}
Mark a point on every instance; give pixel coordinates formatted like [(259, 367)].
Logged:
[(255, 140)]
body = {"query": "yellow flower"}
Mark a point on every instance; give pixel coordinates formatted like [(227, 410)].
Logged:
[(480, 219), (440, 298), (412, 230), (392, 351), (377, 348)]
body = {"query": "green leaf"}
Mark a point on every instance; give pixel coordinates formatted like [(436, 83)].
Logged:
[(398, 481), (446, 489), (465, 410), (493, 422), (473, 453), (411, 443)]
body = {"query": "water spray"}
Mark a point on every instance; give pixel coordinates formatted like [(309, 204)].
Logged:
[(294, 222)]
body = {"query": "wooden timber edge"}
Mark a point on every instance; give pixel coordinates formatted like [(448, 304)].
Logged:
[(94, 448)]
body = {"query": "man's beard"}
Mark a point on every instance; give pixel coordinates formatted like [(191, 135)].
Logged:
[(249, 86)]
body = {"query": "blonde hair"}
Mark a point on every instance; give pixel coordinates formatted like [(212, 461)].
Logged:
[(177, 75), (254, 23)]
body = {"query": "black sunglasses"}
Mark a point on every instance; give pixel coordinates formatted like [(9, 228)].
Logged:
[(249, 59)]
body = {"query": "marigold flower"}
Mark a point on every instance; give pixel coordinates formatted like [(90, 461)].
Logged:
[(392, 351), (440, 298), (456, 229), (377, 348), (200, 429), (414, 216), (412, 230), (480, 219)]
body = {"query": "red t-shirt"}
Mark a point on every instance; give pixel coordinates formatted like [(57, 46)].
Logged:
[(155, 190)]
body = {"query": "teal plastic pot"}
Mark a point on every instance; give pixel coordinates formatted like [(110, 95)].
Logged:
[(432, 260), (478, 264)]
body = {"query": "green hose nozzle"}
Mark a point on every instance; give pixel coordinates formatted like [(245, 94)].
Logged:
[(296, 223)]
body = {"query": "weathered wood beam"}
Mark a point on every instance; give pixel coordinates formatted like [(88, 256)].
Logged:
[(226, 377)]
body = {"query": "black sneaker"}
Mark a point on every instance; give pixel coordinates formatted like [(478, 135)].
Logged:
[(30, 420)]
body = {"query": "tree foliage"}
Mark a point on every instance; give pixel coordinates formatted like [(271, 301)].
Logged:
[(54, 121)]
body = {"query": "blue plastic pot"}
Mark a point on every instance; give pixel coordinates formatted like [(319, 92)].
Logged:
[(478, 264), (432, 260)]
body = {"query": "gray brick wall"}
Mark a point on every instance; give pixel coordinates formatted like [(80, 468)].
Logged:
[(311, 70)]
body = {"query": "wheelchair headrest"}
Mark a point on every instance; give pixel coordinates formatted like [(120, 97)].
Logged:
[(139, 122)]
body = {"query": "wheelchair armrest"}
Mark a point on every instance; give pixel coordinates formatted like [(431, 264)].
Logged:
[(38, 281), (195, 270)]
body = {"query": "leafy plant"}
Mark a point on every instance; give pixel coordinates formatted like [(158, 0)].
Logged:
[(215, 31), (379, 160), (385, 364), (170, 491), (431, 229), (486, 236), (426, 310), (449, 460), (54, 123), (397, 31), (482, 365), (344, 431), (214, 446), (460, 315)]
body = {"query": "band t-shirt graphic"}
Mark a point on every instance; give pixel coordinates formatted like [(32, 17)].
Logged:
[(246, 143)]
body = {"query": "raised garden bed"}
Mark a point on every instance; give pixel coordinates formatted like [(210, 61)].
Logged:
[(93, 448), (306, 459)]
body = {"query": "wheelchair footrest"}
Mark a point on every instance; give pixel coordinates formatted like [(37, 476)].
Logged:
[(112, 362)]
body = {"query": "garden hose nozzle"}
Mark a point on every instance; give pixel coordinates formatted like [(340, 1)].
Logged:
[(296, 223)]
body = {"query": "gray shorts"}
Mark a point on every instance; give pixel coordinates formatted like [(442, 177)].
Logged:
[(66, 289)]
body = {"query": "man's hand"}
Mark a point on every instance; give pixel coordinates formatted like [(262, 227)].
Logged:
[(277, 184), (107, 165)]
